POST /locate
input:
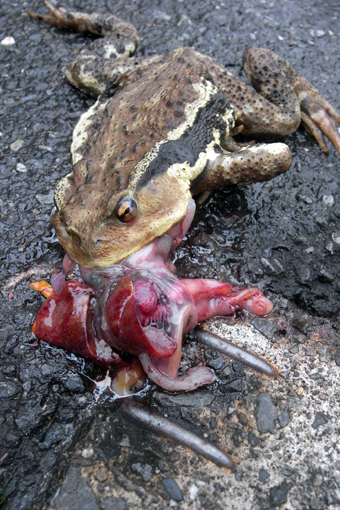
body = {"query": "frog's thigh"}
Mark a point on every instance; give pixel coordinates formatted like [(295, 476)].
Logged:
[(100, 65), (272, 109), (276, 80), (252, 164)]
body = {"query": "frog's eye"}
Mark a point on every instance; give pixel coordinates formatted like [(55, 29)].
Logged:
[(127, 210)]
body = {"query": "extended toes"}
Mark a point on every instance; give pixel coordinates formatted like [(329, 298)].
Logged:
[(320, 118)]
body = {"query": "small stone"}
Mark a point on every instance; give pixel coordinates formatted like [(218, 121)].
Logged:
[(174, 456), (310, 352), (163, 466), (263, 475), (74, 493), (265, 413), (318, 479), (11, 438), (294, 349), (337, 361), (284, 374), (322, 354), (278, 494), (233, 386), (125, 441), (113, 503), (320, 419), (242, 418), (213, 423), (285, 472), (299, 391), (172, 489), (46, 199), (233, 426), (144, 470), (301, 321), (325, 277), (284, 419), (87, 453), (161, 16), (301, 339), (193, 491), (336, 237), (101, 474), (15, 146), (8, 41), (75, 384), (8, 389), (253, 439), (328, 200), (320, 33), (265, 326), (21, 168), (225, 372), (217, 363), (238, 474)]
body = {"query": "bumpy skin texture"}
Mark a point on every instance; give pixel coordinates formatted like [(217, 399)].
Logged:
[(163, 124)]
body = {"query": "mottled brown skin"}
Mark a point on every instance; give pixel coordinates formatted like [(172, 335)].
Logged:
[(160, 132)]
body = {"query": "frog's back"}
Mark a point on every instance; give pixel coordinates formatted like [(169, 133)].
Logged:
[(155, 103)]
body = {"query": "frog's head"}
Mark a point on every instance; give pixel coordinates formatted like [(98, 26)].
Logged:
[(99, 228), (134, 157)]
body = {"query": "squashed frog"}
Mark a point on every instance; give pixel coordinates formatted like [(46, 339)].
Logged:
[(159, 133)]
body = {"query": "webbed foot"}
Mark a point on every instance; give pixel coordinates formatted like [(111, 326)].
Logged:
[(94, 23), (320, 119)]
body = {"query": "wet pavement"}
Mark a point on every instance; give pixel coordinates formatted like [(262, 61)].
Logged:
[(65, 446)]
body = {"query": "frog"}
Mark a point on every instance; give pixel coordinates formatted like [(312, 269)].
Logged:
[(161, 131)]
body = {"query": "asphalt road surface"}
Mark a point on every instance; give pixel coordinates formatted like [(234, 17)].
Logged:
[(63, 444)]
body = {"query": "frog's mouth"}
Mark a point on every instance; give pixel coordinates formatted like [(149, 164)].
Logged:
[(99, 237), (139, 308)]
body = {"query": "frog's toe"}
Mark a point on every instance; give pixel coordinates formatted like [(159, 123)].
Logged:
[(320, 119), (56, 17)]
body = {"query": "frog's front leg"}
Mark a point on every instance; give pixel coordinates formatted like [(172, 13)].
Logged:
[(98, 67), (248, 165)]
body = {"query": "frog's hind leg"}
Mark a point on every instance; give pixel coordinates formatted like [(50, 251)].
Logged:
[(98, 67), (284, 89), (245, 166)]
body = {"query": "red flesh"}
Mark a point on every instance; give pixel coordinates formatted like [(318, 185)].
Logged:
[(145, 313)]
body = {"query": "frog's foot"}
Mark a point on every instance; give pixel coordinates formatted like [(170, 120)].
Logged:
[(97, 24), (248, 165), (95, 69), (320, 119)]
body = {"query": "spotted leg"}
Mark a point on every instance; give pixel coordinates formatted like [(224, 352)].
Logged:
[(245, 166), (277, 81), (100, 65)]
